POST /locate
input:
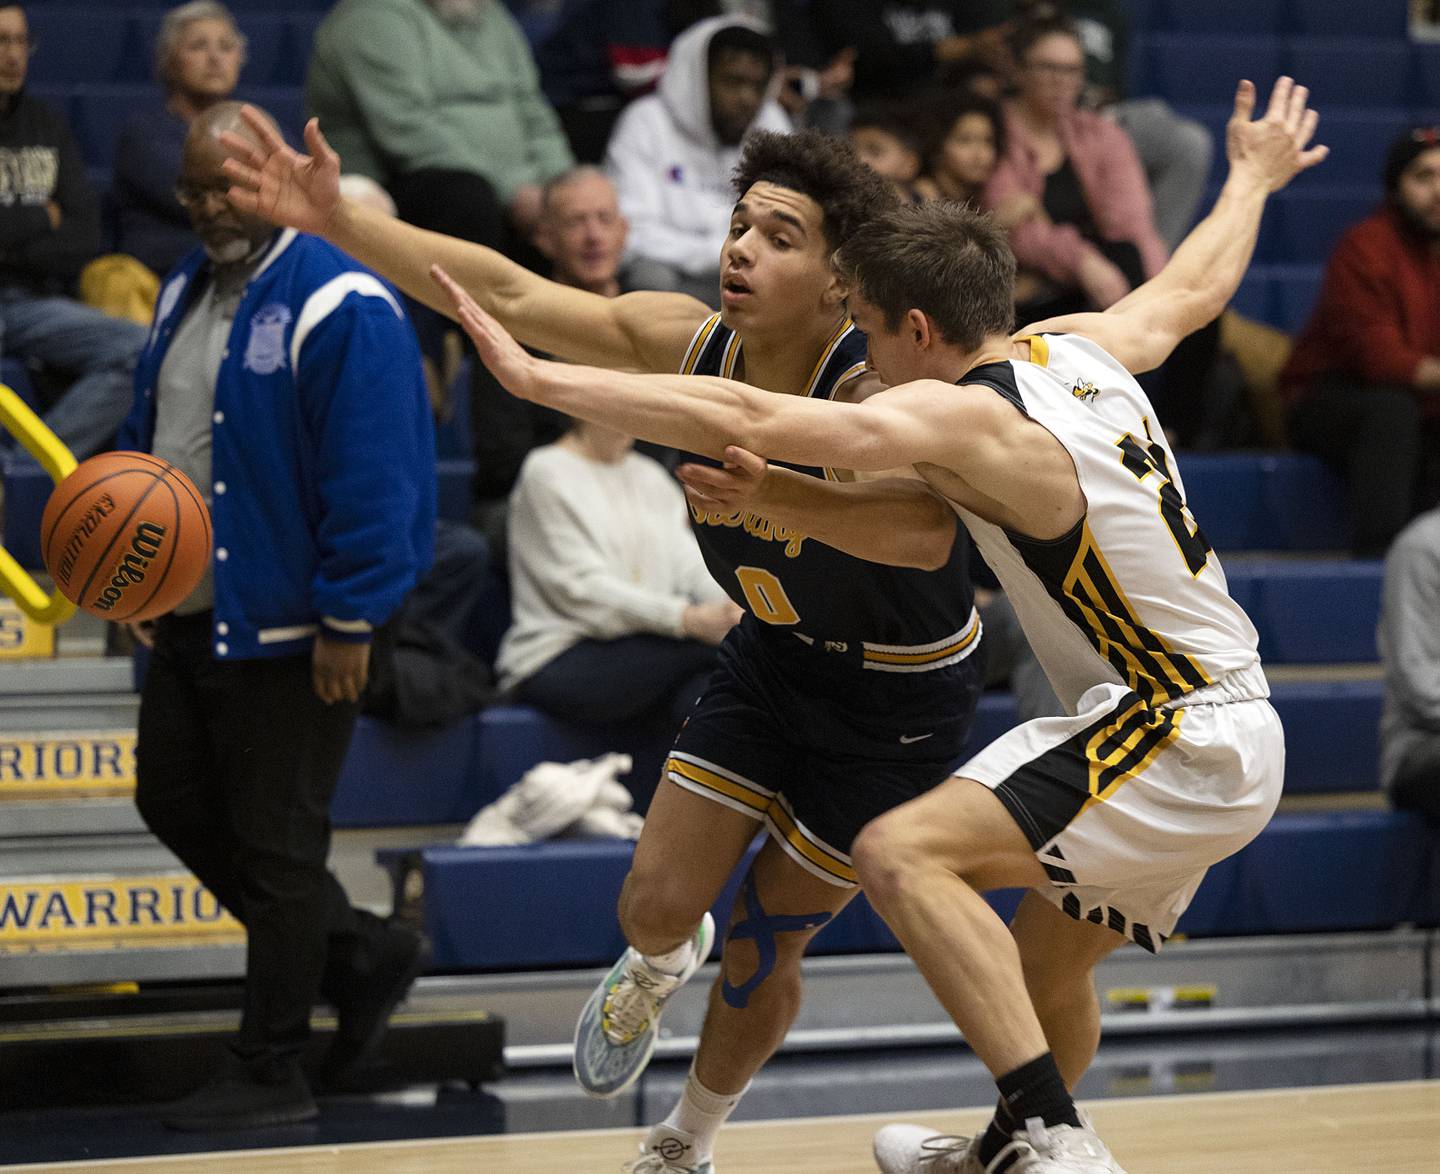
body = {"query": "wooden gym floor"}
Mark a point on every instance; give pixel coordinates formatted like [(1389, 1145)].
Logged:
[(1335, 1130)]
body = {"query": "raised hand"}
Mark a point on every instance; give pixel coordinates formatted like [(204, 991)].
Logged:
[(1275, 148), (507, 359), (271, 179)]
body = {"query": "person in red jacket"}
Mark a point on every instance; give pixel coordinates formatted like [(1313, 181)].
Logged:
[(1364, 379)]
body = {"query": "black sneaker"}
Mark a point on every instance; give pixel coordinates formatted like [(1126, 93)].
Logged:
[(395, 956), (236, 1099)]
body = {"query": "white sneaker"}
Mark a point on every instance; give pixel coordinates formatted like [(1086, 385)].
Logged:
[(668, 1150), (1060, 1149), (617, 1029), (913, 1149)]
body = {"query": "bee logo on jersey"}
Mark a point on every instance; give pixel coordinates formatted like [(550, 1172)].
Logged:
[(1084, 391)]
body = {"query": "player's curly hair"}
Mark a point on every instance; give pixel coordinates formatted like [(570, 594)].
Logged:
[(822, 167)]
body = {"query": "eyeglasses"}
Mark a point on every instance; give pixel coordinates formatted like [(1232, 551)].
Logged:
[(23, 43), (193, 195)]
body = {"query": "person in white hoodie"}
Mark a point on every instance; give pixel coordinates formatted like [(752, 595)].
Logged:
[(672, 153)]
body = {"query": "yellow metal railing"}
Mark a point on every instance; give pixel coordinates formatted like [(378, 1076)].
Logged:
[(17, 418)]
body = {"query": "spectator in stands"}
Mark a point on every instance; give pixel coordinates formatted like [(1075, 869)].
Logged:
[(1410, 652), (1097, 238), (672, 153), (582, 233), (889, 143), (902, 46), (284, 378), (49, 229), (616, 616), (440, 101), (198, 55), (1364, 376), (1174, 151)]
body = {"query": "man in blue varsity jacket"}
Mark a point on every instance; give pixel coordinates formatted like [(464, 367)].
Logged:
[(285, 380)]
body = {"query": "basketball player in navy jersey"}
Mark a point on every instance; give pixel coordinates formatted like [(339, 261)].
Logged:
[(849, 687), (1170, 757)]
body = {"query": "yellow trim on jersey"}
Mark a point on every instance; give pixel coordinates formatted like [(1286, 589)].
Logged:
[(1039, 349), (692, 773), (1138, 735), (901, 658), (730, 357), (825, 352), (852, 372), (809, 846), (697, 344), (1152, 668)]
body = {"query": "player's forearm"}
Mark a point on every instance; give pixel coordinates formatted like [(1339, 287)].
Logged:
[(701, 414), (896, 521), (1205, 271), (403, 254)]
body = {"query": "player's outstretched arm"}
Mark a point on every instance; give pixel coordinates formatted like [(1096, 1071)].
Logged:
[(1265, 154), (270, 179), (704, 414), (898, 521)]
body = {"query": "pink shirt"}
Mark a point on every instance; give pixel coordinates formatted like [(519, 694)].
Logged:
[(1113, 182)]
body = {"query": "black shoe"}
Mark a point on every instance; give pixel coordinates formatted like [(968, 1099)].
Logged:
[(394, 959), (236, 1099)]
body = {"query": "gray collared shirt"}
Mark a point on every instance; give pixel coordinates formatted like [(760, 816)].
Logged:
[(185, 392)]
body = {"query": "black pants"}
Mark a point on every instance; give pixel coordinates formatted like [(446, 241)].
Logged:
[(1373, 436), (1416, 786), (236, 763), (630, 679)]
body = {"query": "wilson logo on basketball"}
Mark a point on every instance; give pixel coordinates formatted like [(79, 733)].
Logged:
[(104, 506), (130, 570)]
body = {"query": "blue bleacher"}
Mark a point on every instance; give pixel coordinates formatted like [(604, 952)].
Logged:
[(1308, 222), (550, 905), (1181, 67), (397, 777), (1338, 18), (1234, 16), (1264, 501), (1351, 70)]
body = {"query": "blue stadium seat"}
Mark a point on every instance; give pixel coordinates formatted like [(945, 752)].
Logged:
[(1229, 16), (394, 777), (1296, 287), (1324, 872), (1265, 501), (299, 44), (1310, 221), (1183, 67), (1332, 734), (452, 435), (80, 45), (553, 905), (1427, 74), (1310, 611), (286, 105), (1253, 299), (98, 113), (265, 47), (16, 376), (1338, 18), (1357, 140), (26, 492), (1351, 71)]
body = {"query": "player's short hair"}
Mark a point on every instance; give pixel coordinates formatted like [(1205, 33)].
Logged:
[(940, 257), (820, 166)]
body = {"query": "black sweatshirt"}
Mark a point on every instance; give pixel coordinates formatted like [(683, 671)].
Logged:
[(39, 163)]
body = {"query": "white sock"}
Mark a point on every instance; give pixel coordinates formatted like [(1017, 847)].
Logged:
[(673, 961), (701, 1113)]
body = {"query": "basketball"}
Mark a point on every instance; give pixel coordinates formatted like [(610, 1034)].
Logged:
[(126, 536)]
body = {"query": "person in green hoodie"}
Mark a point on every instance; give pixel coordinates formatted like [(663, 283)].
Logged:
[(439, 100)]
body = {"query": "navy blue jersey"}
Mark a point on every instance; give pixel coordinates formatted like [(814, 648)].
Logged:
[(808, 597)]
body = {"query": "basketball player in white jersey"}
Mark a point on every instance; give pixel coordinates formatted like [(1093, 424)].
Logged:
[(1172, 758)]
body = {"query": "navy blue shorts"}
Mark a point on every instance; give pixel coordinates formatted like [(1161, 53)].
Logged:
[(815, 750)]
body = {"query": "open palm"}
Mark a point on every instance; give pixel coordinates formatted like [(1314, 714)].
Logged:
[(271, 179), (1275, 147)]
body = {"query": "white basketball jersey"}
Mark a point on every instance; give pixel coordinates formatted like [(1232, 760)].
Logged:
[(1134, 594)]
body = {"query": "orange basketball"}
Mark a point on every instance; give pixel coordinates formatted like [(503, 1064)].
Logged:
[(126, 536)]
